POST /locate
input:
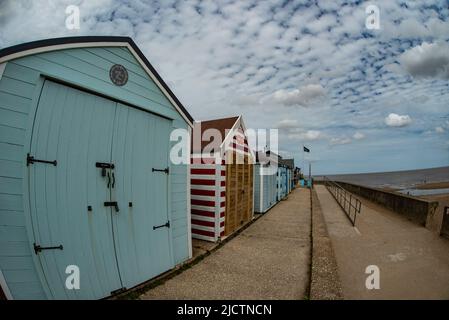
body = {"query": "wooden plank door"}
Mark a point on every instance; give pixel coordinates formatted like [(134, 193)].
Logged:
[(239, 193), (247, 187), (141, 143), (232, 193), (75, 129)]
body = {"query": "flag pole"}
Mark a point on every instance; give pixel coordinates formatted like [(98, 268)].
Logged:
[(303, 156), (310, 174)]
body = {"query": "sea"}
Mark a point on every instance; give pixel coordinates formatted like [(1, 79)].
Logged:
[(402, 181)]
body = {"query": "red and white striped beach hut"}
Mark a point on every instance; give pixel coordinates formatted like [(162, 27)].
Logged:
[(221, 178)]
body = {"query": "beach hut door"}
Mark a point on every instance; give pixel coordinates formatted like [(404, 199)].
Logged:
[(72, 131), (142, 225)]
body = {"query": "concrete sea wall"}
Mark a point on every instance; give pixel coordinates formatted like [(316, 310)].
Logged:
[(414, 209)]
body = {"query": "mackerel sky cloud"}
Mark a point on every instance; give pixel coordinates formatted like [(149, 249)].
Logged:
[(309, 68)]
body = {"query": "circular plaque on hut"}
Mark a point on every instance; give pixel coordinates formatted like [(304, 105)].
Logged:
[(118, 75)]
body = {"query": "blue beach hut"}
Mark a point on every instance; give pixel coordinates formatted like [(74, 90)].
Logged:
[(265, 182), (86, 183)]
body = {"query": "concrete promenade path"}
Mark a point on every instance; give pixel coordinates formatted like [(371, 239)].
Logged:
[(413, 261), (268, 260)]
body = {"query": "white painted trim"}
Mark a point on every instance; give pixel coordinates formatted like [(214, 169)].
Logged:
[(2, 69), (5, 287), (202, 187), (202, 176), (203, 208), (189, 209), (61, 47), (203, 218), (205, 198), (249, 147), (229, 136), (217, 200), (208, 188), (203, 228), (202, 166), (99, 44), (201, 197), (206, 177)]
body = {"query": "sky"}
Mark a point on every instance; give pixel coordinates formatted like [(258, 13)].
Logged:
[(361, 99)]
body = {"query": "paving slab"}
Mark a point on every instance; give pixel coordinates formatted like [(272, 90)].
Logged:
[(413, 261), (268, 260)]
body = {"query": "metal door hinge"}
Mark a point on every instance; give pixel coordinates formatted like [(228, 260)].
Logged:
[(31, 159), (167, 224), (166, 170), (38, 248)]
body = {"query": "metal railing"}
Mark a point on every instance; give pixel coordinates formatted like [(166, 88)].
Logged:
[(349, 203)]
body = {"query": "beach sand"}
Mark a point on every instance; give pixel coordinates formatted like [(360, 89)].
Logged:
[(436, 197), (432, 185)]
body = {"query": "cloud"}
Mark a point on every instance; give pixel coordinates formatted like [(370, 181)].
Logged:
[(224, 58), (428, 60), (300, 97), (396, 120), (439, 130), (339, 141), (358, 136), (309, 135), (287, 124), (249, 100)]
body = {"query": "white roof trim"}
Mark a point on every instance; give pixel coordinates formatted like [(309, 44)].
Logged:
[(98, 44), (5, 287), (2, 69), (239, 122), (244, 130), (229, 136)]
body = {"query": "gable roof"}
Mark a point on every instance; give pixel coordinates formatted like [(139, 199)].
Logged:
[(288, 162), (40, 46), (222, 125)]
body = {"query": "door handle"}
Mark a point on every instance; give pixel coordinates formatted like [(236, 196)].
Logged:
[(112, 204), (103, 166)]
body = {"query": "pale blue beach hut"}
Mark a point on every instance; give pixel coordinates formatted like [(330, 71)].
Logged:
[(86, 183)]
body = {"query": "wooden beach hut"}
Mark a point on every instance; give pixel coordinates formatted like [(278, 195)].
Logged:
[(290, 165), (282, 183), (221, 178), (265, 182), (86, 182)]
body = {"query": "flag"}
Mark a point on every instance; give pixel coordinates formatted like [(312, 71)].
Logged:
[(306, 149)]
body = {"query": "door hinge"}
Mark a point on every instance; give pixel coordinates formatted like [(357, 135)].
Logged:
[(38, 248), (31, 159), (167, 224), (166, 170)]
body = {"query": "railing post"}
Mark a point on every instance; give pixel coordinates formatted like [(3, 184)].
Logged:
[(344, 199), (350, 205)]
